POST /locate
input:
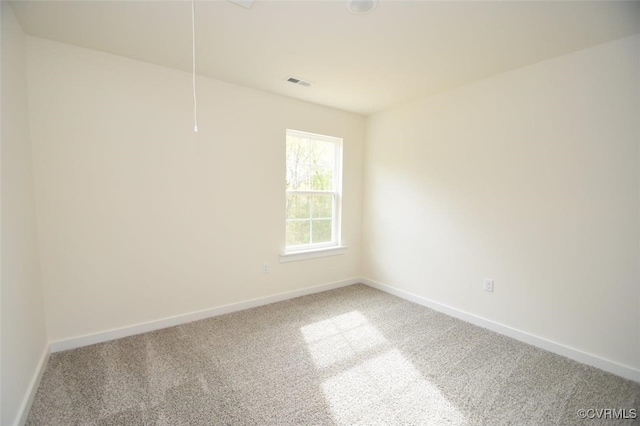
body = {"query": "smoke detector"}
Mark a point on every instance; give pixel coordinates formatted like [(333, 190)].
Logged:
[(244, 3), (361, 7)]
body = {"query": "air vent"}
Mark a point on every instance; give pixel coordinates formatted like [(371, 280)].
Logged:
[(299, 82)]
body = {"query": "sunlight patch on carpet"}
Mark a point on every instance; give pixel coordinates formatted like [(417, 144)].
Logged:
[(379, 383), (340, 338)]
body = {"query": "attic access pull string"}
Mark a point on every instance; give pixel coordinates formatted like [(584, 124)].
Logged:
[(193, 65)]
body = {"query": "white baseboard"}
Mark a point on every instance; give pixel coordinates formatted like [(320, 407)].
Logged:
[(23, 411), (551, 346), (104, 336)]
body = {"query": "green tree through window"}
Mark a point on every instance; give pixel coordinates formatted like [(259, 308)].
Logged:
[(313, 190)]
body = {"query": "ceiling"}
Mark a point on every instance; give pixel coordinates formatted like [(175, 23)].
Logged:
[(401, 51)]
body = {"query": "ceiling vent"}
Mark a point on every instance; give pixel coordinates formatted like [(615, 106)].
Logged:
[(298, 81)]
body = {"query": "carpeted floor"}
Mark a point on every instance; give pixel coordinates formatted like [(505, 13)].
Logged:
[(354, 355)]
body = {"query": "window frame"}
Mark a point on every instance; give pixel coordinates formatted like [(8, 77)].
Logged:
[(336, 218)]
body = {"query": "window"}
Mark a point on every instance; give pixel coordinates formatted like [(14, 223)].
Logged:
[(314, 169)]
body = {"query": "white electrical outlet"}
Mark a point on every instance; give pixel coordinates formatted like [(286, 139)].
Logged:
[(488, 285), (265, 268)]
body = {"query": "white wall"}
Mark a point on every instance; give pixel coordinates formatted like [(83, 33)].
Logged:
[(23, 340), (531, 178), (140, 218)]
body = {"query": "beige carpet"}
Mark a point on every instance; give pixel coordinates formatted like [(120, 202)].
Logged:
[(349, 356)]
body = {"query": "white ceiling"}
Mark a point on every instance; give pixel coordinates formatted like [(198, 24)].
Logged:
[(361, 63)]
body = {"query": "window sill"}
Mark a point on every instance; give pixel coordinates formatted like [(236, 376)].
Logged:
[(312, 254)]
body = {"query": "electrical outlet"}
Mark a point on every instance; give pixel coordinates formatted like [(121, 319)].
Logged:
[(488, 285), (265, 268)]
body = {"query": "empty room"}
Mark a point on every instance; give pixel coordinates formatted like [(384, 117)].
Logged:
[(323, 212)]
